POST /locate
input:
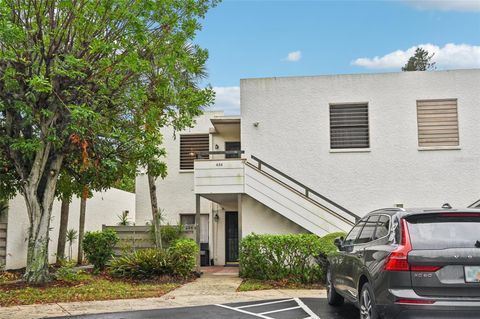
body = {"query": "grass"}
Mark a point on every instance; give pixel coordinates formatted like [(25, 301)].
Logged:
[(90, 287), (254, 284)]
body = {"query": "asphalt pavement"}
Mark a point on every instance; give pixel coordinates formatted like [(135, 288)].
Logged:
[(291, 308)]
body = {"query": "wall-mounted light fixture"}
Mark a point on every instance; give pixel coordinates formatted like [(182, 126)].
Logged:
[(216, 218), (217, 147), (256, 124)]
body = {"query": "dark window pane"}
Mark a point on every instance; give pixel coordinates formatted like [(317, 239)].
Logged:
[(367, 232), (349, 240), (383, 226), (442, 231), (187, 219), (232, 146)]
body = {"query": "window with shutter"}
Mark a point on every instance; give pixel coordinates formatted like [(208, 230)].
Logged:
[(437, 122), (190, 145), (349, 126)]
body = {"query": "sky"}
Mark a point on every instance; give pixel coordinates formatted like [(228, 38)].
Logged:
[(260, 38)]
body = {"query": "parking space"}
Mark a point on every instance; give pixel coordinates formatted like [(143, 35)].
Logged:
[(291, 308)]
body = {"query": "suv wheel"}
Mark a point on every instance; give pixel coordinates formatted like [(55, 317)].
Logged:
[(333, 297), (368, 309)]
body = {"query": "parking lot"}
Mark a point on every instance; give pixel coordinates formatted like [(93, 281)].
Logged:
[(291, 308)]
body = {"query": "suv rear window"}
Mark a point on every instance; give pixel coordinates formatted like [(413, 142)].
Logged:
[(444, 230)]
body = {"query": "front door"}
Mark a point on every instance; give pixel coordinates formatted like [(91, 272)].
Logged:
[(231, 237), (232, 146)]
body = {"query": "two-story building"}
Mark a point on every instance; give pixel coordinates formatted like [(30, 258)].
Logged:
[(311, 154)]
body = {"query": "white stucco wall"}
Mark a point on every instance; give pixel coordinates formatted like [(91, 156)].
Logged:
[(293, 135), (102, 208), (259, 219), (175, 193)]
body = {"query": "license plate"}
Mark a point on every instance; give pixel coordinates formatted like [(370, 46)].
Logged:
[(472, 273)]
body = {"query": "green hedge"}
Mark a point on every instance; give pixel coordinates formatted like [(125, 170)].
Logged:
[(98, 247), (178, 260), (293, 257)]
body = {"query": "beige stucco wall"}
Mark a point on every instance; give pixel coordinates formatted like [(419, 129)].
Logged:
[(102, 208)]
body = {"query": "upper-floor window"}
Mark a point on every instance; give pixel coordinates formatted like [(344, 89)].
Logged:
[(437, 123), (190, 146), (349, 126)]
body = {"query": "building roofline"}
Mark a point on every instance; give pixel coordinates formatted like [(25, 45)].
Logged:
[(373, 74)]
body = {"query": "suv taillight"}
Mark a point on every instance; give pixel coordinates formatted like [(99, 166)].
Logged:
[(397, 260)]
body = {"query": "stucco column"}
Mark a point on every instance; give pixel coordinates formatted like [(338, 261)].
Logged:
[(197, 227)]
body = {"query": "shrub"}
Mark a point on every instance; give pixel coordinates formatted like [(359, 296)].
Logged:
[(171, 233), (182, 255), (327, 243), (140, 264), (67, 272), (280, 257), (328, 248), (178, 260), (98, 247)]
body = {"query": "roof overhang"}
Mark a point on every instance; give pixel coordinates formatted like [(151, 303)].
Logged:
[(226, 125)]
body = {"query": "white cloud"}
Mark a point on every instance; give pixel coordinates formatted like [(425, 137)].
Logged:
[(445, 5), (294, 56), (227, 99), (451, 56)]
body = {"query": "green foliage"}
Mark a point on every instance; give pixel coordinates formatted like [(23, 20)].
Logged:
[(145, 263), (3, 207), (171, 233), (91, 288), (178, 260), (327, 246), (284, 257), (67, 273), (98, 247), (278, 257), (420, 61), (72, 235), (123, 218), (182, 256), (85, 89)]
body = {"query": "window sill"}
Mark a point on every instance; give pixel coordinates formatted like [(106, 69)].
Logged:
[(440, 148), (182, 171), (350, 150)]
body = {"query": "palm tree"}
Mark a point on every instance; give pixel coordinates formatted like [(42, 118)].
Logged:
[(71, 236)]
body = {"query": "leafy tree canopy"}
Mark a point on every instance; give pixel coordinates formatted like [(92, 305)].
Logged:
[(91, 77), (420, 61)]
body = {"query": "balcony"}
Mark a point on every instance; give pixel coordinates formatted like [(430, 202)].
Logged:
[(219, 176)]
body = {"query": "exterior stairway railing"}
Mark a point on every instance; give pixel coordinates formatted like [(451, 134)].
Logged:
[(307, 191)]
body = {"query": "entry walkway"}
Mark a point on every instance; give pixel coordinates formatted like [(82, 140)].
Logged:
[(216, 286)]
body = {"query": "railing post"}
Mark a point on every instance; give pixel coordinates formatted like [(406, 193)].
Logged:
[(306, 192)]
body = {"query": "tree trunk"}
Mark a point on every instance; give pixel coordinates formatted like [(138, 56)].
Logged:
[(81, 224), (155, 211), (62, 232), (39, 194)]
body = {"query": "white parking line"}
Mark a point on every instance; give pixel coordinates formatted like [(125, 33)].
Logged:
[(279, 310), (306, 309), (262, 315), (265, 303), (245, 312)]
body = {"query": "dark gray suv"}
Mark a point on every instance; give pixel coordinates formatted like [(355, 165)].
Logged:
[(409, 263)]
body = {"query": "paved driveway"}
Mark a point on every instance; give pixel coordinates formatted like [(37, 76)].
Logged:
[(292, 308)]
